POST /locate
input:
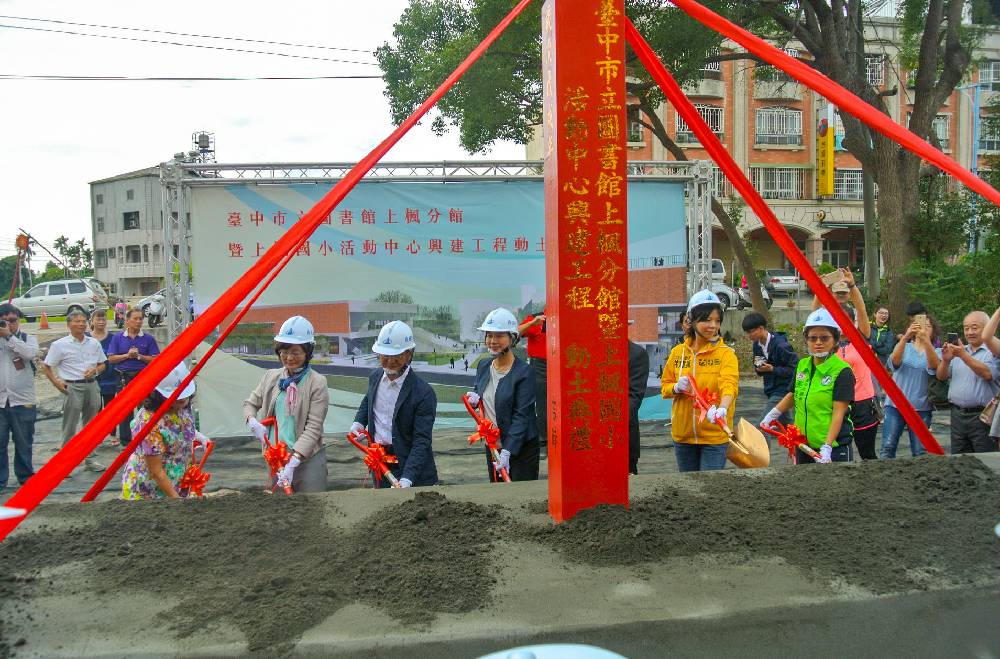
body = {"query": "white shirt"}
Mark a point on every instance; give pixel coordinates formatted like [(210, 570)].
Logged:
[(386, 395), (490, 395), (17, 385), (72, 358), (763, 346)]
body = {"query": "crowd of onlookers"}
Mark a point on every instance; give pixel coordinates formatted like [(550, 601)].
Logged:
[(88, 366)]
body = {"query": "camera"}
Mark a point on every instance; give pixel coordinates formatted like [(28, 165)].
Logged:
[(953, 338), (759, 361), (3, 323)]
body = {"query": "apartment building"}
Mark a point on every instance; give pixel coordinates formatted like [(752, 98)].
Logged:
[(768, 123)]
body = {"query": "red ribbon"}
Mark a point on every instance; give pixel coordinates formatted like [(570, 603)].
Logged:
[(196, 478), (276, 455), (487, 431), (376, 458), (791, 438), (52, 474)]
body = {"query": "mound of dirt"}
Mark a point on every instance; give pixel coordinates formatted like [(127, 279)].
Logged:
[(883, 526), (266, 564)]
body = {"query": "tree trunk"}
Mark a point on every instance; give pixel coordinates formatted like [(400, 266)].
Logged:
[(732, 233), (894, 220)]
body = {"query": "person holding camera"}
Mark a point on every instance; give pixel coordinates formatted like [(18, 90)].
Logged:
[(913, 358), (17, 394), (975, 379), (774, 360), (129, 352)]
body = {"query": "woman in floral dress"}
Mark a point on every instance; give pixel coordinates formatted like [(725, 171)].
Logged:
[(155, 469)]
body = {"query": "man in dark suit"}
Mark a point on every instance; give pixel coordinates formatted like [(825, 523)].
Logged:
[(638, 374), (399, 409)]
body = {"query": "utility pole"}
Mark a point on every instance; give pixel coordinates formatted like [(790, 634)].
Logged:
[(872, 272)]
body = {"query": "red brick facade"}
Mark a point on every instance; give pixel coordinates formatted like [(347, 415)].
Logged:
[(326, 317)]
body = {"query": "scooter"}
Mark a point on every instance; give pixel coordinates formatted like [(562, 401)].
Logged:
[(155, 311), (119, 318), (743, 300)]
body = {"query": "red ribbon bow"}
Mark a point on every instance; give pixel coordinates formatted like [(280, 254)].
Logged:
[(702, 400), (376, 459), (790, 437), (487, 431), (276, 455), (196, 478)]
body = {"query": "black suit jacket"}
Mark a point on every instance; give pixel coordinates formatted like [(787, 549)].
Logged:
[(638, 374), (412, 426), (515, 403)]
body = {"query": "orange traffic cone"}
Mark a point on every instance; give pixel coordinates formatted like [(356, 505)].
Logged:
[(44, 322)]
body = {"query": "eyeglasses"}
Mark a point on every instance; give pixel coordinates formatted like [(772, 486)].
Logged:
[(292, 353), (819, 339), (12, 319)]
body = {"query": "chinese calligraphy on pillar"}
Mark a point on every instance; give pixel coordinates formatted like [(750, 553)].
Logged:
[(583, 54)]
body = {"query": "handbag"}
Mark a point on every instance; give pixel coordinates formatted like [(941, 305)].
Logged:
[(986, 416), (877, 410)]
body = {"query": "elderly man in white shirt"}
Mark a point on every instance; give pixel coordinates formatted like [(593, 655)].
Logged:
[(17, 394), (72, 365)]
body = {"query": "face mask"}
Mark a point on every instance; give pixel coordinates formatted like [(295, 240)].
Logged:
[(821, 355)]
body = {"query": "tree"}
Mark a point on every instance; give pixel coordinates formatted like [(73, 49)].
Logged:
[(937, 48), (500, 98), (393, 297)]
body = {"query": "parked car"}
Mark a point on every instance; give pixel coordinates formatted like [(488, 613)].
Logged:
[(57, 298), (782, 281)]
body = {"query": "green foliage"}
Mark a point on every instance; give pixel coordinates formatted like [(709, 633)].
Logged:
[(945, 218), (952, 290), (500, 98), (393, 297)]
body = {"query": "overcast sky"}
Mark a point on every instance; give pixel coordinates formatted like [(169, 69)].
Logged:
[(58, 136)]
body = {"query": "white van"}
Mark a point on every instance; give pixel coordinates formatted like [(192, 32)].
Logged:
[(57, 298)]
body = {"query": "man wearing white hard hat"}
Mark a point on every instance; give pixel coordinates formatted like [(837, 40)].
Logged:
[(399, 409), (155, 469), (704, 360), (506, 386), (298, 399), (821, 393)]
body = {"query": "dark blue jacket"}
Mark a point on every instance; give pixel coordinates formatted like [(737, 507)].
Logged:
[(515, 403), (784, 360), (412, 426)]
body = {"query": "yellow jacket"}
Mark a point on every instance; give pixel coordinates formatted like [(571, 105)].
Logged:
[(715, 369)]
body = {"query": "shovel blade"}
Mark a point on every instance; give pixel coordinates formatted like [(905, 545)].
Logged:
[(748, 448)]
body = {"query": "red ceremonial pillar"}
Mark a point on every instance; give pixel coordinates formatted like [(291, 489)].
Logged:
[(583, 54)]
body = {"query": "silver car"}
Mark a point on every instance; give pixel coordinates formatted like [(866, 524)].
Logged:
[(782, 281), (57, 298)]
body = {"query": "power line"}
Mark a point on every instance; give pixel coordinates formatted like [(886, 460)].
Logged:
[(186, 45), (15, 76), (185, 34)]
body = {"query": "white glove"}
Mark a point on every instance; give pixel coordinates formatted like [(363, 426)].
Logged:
[(473, 398), (825, 453), (356, 428), (715, 414), (405, 482), (257, 429), (683, 384), (200, 438), (770, 417), (504, 463), (285, 473)]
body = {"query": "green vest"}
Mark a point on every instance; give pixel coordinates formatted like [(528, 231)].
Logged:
[(814, 400)]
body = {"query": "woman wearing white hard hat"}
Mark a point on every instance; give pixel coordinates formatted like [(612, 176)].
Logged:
[(297, 397), (701, 359), (399, 409), (155, 469), (821, 393), (506, 386)]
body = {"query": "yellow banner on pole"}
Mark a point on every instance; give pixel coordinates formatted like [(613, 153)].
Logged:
[(824, 159)]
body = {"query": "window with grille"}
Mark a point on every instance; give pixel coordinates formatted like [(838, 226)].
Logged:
[(989, 133), (940, 127), (778, 125), (100, 258), (721, 187), (100, 225), (635, 132), (129, 194), (712, 70), (130, 220), (848, 184), (712, 116), (875, 69), (989, 75), (99, 198), (777, 182)]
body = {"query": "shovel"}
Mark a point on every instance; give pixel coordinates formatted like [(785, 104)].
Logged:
[(747, 447)]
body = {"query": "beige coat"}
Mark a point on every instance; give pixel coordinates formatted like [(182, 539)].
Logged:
[(310, 407)]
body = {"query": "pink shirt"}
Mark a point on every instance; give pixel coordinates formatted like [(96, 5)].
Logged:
[(864, 388)]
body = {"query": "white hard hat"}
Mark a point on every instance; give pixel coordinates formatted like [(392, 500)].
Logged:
[(821, 318), (169, 384), (703, 297), (394, 338), (499, 320), (296, 330)]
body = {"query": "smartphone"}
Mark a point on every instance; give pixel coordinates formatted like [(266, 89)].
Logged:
[(922, 320), (953, 338), (831, 278)]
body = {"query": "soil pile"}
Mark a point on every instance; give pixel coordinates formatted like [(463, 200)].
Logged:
[(266, 564), (885, 526)]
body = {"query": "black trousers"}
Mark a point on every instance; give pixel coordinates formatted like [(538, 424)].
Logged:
[(523, 465), (125, 425), (865, 442), (541, 397)]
